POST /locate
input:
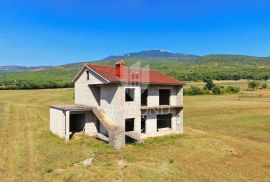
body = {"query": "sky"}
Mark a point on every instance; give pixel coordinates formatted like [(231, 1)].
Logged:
[(55, 32)]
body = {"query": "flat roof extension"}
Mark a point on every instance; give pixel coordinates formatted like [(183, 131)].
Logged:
[(73, 107)]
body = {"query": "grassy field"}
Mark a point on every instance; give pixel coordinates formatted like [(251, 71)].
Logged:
[(226, 139)]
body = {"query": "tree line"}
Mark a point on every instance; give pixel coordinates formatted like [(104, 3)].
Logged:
[(33, 84), (198, 76)]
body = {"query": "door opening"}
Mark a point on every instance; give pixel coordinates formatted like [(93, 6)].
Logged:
[(129, 124)]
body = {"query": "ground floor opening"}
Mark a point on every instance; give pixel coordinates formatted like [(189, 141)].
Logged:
[(77, 123), (164, 121), (129, 124)]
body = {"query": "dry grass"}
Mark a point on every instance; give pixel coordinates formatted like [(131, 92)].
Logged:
[(226, 139)]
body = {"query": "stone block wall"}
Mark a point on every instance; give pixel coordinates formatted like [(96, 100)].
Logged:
[(57, 122)]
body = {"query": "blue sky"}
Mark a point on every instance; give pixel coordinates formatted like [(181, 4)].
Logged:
[(54, 32)]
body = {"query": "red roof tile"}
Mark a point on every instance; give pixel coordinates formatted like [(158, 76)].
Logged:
[(135, 75)]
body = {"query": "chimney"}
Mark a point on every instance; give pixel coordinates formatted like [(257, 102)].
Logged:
[(120, 69)]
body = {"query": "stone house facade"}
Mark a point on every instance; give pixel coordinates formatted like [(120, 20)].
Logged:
[(119, 104)]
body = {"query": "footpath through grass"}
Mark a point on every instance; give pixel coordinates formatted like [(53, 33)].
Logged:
[(226, 139)]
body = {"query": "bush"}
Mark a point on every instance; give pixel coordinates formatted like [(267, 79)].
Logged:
[(217, 90), (193, 91), (206, 92), (232, 90), (264, 85)]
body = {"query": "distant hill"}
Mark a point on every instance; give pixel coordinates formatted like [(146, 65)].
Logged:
[(153, 54), (180, 66), (14, 68)]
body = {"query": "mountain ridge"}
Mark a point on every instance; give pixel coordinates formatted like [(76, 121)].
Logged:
[(153, 54)]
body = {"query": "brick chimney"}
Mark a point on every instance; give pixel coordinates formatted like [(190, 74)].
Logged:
[(120, 69)]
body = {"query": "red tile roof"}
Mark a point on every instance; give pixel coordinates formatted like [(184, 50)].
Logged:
[(135, 75)]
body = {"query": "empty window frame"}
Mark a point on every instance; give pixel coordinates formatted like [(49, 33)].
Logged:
[(77, 122), (164, 96), (144, 95), (164, 121), (87, 75), (143, 120), (129, 124), (130, 94)]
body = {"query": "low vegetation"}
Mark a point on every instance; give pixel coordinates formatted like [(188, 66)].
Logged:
[(253, 85), (226, 138)]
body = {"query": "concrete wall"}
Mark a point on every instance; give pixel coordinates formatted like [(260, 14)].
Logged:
[(153, 95), (151, 124), (117, 109), (57, 122), (83, 93), (176, 120), (179, 95), (176, 98), (90, 124), (110, 102), (132, 109)]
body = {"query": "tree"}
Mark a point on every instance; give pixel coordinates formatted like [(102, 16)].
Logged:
[(253, 85), (209, 83)]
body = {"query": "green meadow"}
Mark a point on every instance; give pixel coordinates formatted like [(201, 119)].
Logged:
[(226, 138)]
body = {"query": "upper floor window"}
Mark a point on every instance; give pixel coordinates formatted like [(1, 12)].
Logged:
[(144, 95), (87, 75), (130, 94), (164, 96)]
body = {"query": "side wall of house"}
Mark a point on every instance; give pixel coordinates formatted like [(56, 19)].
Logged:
[(90, 124), (84, 95), (176, 99), (117, 109), (110, 102), (132, 109), (57, 122)]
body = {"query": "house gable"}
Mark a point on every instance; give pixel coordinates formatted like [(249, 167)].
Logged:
[(92, 78)]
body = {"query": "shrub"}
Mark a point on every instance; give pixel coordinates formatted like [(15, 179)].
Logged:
[(217, 90), (206, 92), (232, 90), (264, 85), (253, 85), (193, 91)]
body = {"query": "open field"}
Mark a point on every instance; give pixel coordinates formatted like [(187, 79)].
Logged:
[(227, 138)]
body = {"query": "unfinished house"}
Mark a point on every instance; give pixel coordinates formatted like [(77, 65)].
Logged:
[(118, 104)]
